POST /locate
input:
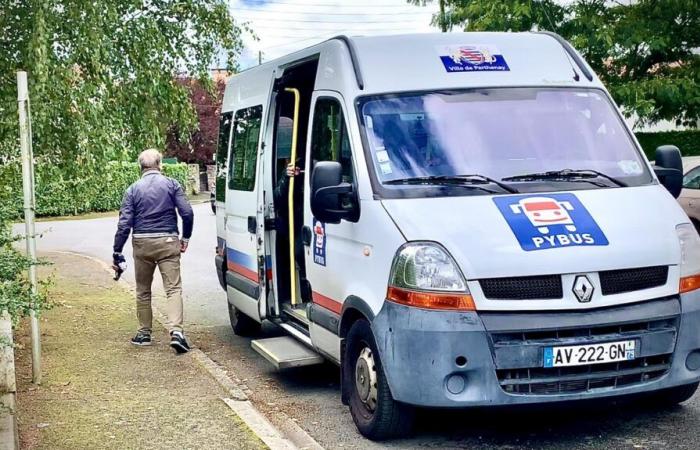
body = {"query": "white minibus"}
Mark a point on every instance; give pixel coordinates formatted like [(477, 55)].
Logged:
[(456, 220)]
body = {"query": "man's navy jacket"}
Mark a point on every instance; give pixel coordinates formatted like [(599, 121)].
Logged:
[(149, 208)]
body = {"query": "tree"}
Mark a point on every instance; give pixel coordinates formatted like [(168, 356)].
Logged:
[(198, 146), (102, 73), (645, 51)]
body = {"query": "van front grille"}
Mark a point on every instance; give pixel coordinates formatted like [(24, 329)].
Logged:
[(599, 332), (530, 378), (522, 288), (546, 287), (571, 380), (628, 280)]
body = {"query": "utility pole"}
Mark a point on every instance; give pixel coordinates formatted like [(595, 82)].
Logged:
[(259, 57), (25, 141)]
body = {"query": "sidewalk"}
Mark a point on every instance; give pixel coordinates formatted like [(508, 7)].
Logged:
[(99, 391)]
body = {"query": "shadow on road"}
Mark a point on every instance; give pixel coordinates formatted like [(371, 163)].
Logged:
[(562, 426), (625, 423), (312, 396)]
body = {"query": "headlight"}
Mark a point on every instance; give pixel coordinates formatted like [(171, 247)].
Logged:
[(424, 275), (690, 257)]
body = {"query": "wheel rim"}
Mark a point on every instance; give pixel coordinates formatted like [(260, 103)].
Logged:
[(366, 379)]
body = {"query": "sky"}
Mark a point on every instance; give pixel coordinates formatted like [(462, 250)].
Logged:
[(284, 26)]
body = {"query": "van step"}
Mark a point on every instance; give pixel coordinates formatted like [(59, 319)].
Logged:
[(285, 352), (298, 314)]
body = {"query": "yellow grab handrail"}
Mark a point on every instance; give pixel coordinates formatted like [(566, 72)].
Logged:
[(293, 159)]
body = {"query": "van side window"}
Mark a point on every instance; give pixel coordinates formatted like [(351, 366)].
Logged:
[(329, 139), (244, 149), (221, 151)]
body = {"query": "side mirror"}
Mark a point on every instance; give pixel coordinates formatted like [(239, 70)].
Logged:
[(328, 192), (669, 168)]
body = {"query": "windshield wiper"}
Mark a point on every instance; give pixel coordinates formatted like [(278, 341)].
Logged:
[(473, 180), (566, 175)]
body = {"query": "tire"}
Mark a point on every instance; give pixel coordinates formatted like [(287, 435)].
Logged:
[(241, 324), (675, 395), (375, 412)]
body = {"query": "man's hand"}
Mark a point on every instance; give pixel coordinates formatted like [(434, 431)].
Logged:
[(118, 265), (183, 245), (292, 170)]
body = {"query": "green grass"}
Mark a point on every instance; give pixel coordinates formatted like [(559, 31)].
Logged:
[(99, 391)]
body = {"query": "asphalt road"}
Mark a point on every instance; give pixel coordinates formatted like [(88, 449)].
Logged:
[(310, 396)]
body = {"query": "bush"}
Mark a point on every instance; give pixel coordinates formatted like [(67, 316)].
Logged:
[(16, 295), (688, 141), (58, 195)]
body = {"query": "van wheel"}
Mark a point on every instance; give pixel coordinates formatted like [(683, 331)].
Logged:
[(675, 395), (375, 412), (242, 325)]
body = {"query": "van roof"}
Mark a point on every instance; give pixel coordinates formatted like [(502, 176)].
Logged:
[(410, 62), (416, 62)]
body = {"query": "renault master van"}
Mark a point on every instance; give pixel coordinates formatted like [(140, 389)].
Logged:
[(470, 223)]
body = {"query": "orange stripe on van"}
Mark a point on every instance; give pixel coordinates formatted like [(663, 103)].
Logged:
[(327, 302), (239, 269)]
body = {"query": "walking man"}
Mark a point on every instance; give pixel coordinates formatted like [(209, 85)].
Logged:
[(149, 208)]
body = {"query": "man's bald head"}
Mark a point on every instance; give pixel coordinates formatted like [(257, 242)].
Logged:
[(150, 159)]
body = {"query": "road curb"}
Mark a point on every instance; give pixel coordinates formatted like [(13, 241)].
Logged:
[(259, 425), (281, 423), (219, 375), (278, 432)]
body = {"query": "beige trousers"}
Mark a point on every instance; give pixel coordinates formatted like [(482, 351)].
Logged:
[(163, 252)]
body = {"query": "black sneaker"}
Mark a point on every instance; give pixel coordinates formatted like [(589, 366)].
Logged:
[(141, 339), (178, 342)]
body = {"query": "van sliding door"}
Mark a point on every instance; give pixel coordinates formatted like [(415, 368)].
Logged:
[(246, 265)]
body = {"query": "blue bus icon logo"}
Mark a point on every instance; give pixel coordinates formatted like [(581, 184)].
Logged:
[(542, 222)]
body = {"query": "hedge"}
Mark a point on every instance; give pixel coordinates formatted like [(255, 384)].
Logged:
[(688, 141), (57, 195)]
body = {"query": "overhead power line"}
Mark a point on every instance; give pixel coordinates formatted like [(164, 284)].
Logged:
[(351, 22), (321, 13), (344, 4), (357, 29), (286, 44), (323, 36), (313, 24)]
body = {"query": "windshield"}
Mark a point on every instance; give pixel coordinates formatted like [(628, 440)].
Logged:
[(498, 133)]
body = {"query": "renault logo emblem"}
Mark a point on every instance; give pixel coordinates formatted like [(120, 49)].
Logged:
[(583, 289)]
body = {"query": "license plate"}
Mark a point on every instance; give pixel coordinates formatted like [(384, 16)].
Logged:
[(579, 355)]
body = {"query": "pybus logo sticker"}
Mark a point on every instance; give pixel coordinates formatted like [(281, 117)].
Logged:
[(319, 244), (472, 58), (543, 222)]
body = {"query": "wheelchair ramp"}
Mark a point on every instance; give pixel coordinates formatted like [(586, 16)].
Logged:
[(285, 352)]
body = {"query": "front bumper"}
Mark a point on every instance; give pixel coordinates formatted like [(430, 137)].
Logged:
[(459, 359)]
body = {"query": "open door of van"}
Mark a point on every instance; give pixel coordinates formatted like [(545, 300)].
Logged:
[(245, 253)]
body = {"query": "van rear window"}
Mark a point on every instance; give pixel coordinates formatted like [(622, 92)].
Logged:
[(244, 148), (225, 122)]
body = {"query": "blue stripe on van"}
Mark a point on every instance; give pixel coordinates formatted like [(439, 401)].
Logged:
[(240, 258)]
